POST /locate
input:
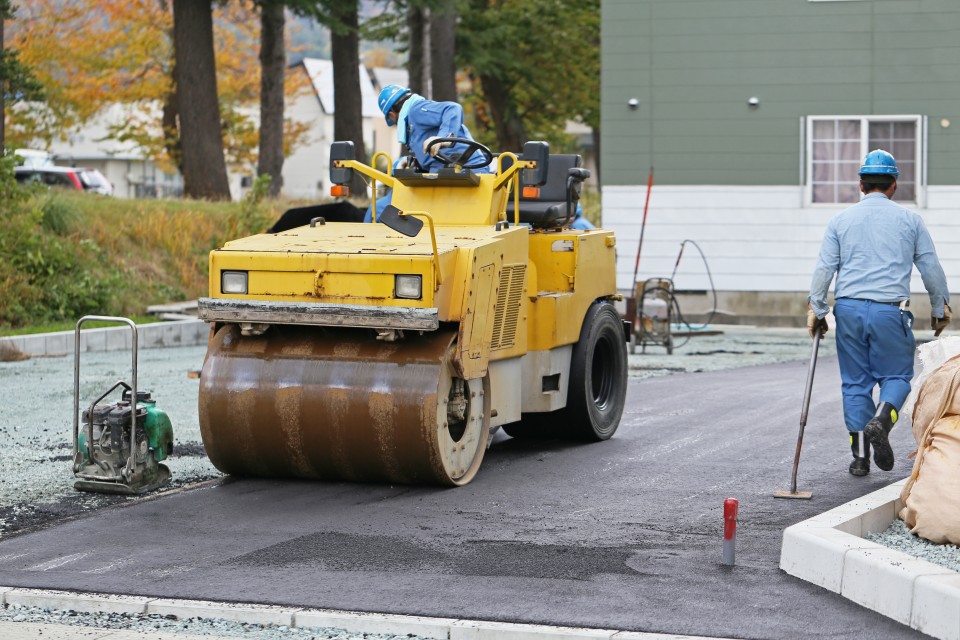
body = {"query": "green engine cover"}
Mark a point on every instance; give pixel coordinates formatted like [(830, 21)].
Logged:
[(157, 426), (159, 431)]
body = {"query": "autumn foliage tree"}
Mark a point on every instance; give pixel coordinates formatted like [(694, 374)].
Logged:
[(17, 81), (89, 54)]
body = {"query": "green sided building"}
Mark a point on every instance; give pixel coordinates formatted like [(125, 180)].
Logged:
[(754, 116)]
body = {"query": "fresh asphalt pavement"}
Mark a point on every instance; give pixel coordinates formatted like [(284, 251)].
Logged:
[(623, 534)]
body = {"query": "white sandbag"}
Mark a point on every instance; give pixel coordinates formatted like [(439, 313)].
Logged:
[(932, 508), (932, 493), (932, 354)]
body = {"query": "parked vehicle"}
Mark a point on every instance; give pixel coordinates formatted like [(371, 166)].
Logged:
[(33, 158), (77, 178)]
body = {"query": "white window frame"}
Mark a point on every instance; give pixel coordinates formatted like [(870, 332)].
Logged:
[(920, 151)]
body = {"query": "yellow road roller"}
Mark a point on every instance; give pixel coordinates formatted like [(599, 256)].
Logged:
[(392, 351)]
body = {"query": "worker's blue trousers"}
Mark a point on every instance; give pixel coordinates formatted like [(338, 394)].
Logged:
[(875, 346)]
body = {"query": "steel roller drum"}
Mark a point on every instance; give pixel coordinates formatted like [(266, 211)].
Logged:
[(337, 404)]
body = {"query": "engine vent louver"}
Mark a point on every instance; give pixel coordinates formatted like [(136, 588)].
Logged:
[(507, 312)]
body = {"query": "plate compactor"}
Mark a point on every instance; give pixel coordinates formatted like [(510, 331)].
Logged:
[(121, 445), (392, 351)]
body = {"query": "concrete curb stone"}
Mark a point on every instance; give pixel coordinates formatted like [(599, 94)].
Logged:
[(149, 336), (829, 550), (350, 621)]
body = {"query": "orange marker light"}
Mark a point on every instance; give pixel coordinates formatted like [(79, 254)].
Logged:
[(530, 192), (339, 190)]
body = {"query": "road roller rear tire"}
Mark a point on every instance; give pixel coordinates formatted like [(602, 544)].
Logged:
[(598, 376), (309, 402), (597, 387)]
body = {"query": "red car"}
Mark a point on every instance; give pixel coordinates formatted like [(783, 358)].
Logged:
[(68, 177)]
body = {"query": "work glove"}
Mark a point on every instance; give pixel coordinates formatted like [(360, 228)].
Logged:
[(815, 324), (435, 148), (939, 324)]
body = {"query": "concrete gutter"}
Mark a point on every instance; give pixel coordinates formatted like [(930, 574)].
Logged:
[(830, 551), (350, 621), (149, 336)]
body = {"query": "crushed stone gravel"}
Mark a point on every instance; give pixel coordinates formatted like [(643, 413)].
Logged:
[(898, 537), (36, 429), (191, 626)]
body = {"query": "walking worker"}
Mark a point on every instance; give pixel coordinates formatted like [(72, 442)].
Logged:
[(420, 122), (871, 247)]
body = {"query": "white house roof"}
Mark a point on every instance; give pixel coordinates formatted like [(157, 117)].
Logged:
[(320, 73), (382, 76)]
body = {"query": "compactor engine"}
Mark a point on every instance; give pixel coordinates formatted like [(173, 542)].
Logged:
[(392, 351)]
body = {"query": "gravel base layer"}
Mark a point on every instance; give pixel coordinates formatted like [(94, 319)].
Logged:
[(191, 626), (36, 429), (898, 537)]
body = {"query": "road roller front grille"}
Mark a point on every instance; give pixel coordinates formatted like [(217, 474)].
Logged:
[(507, 312)]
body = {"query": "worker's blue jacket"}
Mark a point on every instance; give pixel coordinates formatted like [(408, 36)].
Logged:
[(871, 248), (422, 119)]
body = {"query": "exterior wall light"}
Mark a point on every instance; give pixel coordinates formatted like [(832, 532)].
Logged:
[(633, 103), (753, 101)]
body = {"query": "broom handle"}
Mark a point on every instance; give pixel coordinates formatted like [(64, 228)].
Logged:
[(643, 227), (806, 408)]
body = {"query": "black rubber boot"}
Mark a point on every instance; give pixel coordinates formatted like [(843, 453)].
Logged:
[(861, 454), (878, 432)]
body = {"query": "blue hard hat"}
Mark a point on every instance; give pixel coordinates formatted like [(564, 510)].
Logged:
[(388, 97), (879, 163)]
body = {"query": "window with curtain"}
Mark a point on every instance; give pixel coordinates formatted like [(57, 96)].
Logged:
[(837, 145)]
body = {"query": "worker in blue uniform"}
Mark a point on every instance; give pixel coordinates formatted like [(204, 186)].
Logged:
[(419, 123), (872, 247)]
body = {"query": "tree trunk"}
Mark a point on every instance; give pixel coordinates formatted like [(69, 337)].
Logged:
[(347, 103), (416, 55), (171, 127), (272, 69), (507, 124), (443, 68), (204, 168)]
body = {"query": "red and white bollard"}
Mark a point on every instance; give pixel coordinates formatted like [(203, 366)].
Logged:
[(730, 507)]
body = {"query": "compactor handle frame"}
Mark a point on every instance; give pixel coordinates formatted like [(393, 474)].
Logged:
[(129, 467)]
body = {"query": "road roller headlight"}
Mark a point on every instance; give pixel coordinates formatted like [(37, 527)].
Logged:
[(233, 282), (408, 286)]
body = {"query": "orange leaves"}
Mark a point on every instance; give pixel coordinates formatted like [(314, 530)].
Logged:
[(90, 54)]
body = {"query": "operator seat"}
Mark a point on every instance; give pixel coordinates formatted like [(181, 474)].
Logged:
[(549, 208)]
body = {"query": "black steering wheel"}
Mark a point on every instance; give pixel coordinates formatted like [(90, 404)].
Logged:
[(486, 156)]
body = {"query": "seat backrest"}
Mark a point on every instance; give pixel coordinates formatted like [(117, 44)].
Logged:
[(549, 208), (555, 189)]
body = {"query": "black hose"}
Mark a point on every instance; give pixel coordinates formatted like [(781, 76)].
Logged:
[(672, 301)]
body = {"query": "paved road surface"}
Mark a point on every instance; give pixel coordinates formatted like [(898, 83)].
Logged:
[(623, 534)]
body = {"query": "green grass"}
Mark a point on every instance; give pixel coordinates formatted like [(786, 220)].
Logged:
[(64, 255)]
